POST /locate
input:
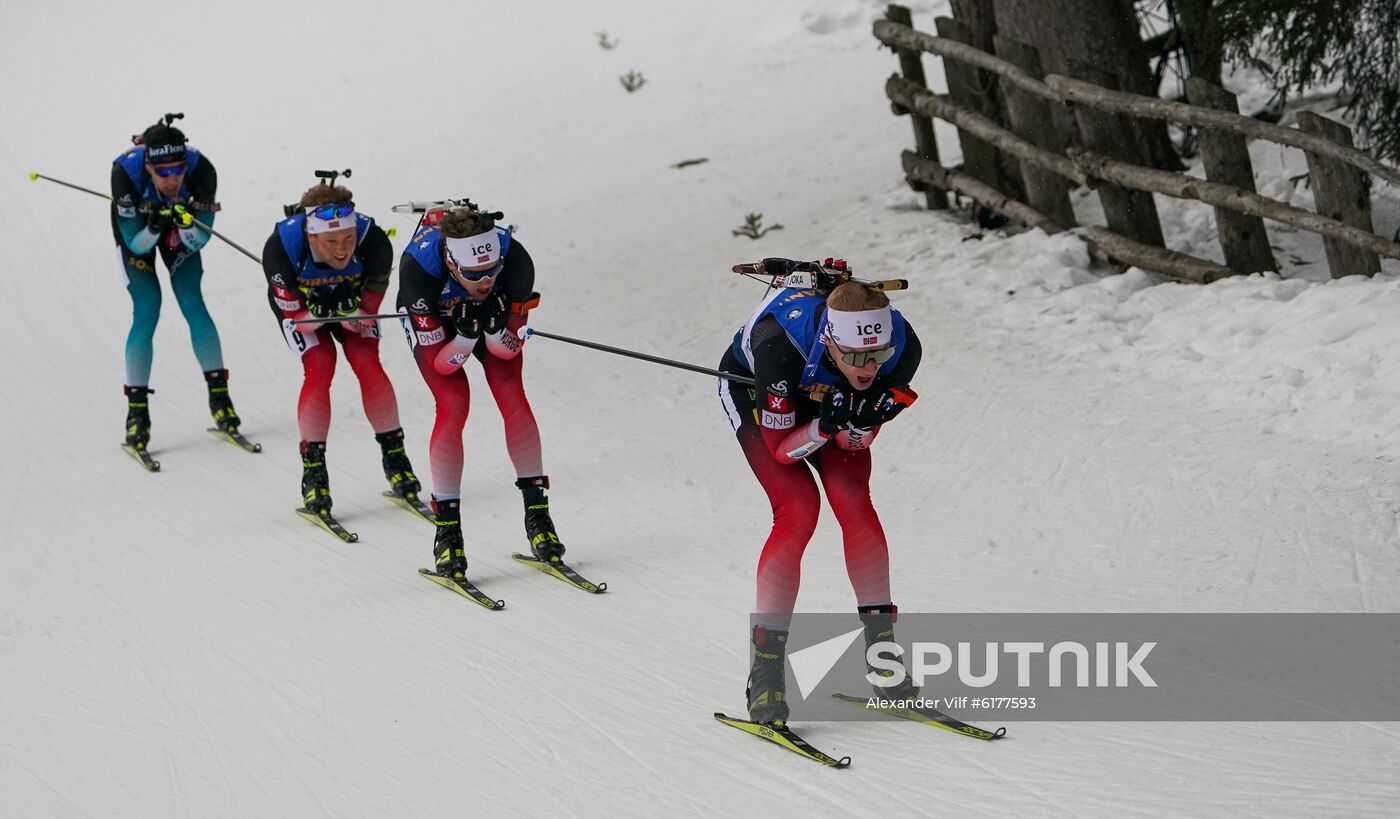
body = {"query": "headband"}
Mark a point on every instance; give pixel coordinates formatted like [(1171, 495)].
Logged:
[(473, 251), (861, 330)]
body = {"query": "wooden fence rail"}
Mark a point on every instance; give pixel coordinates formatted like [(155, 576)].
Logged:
[(1341, 192), (1063, 89)]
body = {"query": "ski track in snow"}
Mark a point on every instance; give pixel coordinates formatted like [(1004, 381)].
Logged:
[(181, 644)]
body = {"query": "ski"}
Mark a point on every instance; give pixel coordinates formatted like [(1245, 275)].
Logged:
[(142, 457), (561, 570), (329, 523), (780, 734), (927, 716), (464, 587), (236, 438), (414, 504)]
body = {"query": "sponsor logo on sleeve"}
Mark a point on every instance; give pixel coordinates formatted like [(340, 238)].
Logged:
[(420, 306), (288, 305), (794, 313), (778, 421), (777, 403), (779, 388), (423, 322), (431, 337)]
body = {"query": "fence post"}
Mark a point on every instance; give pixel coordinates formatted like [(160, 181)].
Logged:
[(1030, 117), (1226, 159), (1129, 212), (975, 90), (912, 67), (1340, 192)]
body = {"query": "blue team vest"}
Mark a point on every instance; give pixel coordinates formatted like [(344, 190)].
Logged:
[(795, 311), (133, 162), (292, 232), (425, 249)]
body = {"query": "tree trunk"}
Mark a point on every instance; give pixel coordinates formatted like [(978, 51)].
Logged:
[(1103, 33)]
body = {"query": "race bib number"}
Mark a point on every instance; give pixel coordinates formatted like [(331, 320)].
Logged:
[(298, 341)]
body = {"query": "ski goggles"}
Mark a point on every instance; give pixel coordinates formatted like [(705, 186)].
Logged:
[(859, 358), (476, 275), (165, 171), (333, 210)]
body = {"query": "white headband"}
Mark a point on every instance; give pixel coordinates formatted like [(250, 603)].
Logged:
[(315, 224), (473, 251), (861, 330)]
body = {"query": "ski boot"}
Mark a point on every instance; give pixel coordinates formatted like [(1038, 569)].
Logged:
[(220, 405), (402, 481), (138, 417), (544, 543), (879, 628), (449, 555), (315, 481), (767, 686)]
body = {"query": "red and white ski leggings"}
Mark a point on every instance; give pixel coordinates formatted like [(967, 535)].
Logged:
[(318, 368), (792, 492), (452, 395)]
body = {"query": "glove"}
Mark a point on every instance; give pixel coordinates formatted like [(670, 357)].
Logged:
[(159, 221), (181, 217), (835, 412), (466, 319), (872, 409), (493, 313), (336, 300)]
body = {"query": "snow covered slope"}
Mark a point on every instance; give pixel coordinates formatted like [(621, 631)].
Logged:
[(182, 645)]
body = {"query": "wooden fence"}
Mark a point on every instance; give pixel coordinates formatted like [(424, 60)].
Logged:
[(1015, 163)]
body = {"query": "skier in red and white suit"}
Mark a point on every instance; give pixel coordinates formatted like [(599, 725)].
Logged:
[(466, 287), (829, 371)]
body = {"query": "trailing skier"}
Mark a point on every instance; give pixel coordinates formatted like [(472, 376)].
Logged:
[(162, 189)]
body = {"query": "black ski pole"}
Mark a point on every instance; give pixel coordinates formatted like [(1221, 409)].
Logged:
[(526, 332), (34, 177)]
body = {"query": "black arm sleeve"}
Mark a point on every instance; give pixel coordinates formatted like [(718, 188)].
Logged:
[(124, 194), (518, 275), (122, 186), (778, 365), (203, 181), (418, 293), (275, 263), (377, 255)]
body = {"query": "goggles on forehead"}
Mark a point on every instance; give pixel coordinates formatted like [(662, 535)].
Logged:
[(476, 275), (332, 210), (859, 358), (174, 169)]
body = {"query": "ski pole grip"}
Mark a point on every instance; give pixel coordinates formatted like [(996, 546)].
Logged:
[(905, 397)]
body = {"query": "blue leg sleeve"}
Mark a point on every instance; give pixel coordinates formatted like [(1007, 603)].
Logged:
[(185, 281), (144, 287)]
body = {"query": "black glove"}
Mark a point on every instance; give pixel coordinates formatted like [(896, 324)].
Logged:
[(467, 319), (334, 300), (159, 221), (871, 409), (494, 313), (835, 411)]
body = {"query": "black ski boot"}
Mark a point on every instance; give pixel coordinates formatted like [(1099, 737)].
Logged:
[(315, 481), (879, 628), (220, 405), (544, 543), (767, 687), (397, 469), (138, 417), (449, 555)]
